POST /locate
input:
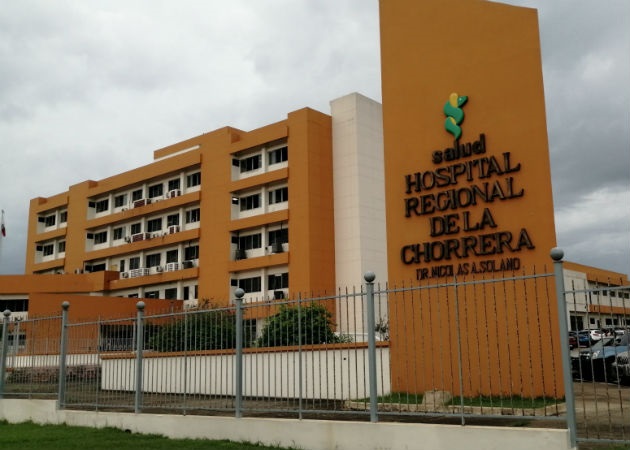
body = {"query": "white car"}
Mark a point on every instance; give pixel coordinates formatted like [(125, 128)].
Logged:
[(595, 335)]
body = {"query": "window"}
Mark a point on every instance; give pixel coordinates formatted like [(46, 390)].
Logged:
[(278, 281), (280, 236), (194, 179), (121, 265), (156, 190), (151, 294), (191, 252), (119, 233), (136, 195), (278, 155), (154, 225), (170, 293), (63, 216), (49, 221), (173, 184), (250, 241), (61, 247), (136, 228), (172, 219), (193, 215), (250, 284), (251, 163), (48, 249), (98, 267), (172, 256), (153, 260), (279, 195), (134, 263), (120, 200), (102, 205), (250, 202), (100, 237)]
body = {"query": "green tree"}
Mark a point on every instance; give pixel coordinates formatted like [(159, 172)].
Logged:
[(308, 324), (208, 330)]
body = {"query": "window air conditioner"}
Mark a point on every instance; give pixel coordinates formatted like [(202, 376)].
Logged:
[(141, 202), (124, 274), (172, 266), (188, 264), (139, 237), (174, 193), (127, 239), (240, 254), (276, 247), (173, 229), (158, 268), (278, 295), (133, 273)]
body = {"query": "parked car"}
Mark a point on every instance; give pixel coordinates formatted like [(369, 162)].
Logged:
[(584, 338), (595, 363), (596, 335), (573, 340), (620, 368)]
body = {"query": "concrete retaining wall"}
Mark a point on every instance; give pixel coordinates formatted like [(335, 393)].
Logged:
[(303, 434)]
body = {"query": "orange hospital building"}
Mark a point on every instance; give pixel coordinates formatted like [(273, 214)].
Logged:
[(449, 177)]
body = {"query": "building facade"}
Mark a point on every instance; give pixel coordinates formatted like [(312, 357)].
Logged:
[(276, 211)]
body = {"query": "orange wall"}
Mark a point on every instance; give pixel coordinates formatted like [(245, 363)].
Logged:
[(90, 307), (68, 283), (490, 53)]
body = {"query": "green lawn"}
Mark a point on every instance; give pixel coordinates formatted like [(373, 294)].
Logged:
[(29, 436)]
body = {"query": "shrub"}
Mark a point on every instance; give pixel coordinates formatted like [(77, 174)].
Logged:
[(209, 330), (309, 324)]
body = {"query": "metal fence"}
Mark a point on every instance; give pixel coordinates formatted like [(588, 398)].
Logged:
[(464, 350)]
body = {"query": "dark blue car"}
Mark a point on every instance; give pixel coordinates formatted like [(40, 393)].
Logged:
[(595, 363)]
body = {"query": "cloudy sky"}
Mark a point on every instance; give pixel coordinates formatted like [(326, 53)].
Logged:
[(90, 89)]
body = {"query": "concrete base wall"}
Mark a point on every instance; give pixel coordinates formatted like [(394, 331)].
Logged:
[(303, 434)]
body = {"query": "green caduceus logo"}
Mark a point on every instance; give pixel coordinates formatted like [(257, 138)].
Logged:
[(454, 114)]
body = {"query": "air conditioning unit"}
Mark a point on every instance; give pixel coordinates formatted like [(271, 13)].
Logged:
[(77, 271), (240, 254), (172, 266), (140, 237), (124, 208), (173, 193), (278, 295), (127, 239), (141, 272), (188, 264), (141, 202), (158, 269), (173, 229), (157, 234), (124, 274)]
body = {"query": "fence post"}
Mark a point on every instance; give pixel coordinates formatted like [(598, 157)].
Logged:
[(371, 325), (139, 351), (63, 351), (5, 350), (238, 355), (557, 254)]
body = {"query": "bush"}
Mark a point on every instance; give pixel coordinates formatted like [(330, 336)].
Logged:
[(209, 330), (310, 324)]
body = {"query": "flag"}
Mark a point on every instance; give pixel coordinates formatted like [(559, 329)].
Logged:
[(2, 228)]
